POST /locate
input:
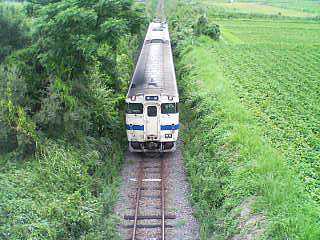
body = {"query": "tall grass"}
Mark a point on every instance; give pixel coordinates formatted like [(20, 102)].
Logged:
[(64, 193)]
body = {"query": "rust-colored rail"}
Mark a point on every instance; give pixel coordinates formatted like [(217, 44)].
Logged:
[(160, 11), (137, 217), (163, 233), (138, 195)]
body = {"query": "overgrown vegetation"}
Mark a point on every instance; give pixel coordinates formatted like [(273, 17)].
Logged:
[(14, 29), (246, 132), (61, 123), (66, 192), (203, 27)]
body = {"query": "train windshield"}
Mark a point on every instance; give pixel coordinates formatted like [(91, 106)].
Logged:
[(134, 108), (168, 108)]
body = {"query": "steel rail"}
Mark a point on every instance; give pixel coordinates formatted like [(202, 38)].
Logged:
[(163, 230), (138, 195), (160, 10), (162, 208)]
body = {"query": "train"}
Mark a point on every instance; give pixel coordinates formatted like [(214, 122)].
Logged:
[(152, 101)]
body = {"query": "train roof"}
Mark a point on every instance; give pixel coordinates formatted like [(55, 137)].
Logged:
[(154, 72)]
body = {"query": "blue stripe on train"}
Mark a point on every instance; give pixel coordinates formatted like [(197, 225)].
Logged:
[(162, 127), (170, 127), (135, 127)]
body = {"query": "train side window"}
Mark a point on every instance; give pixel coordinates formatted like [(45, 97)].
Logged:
[(152, 111), (168, 108), (134, 108)]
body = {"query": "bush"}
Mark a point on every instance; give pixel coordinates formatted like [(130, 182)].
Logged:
[(213, 31), (204, 27)]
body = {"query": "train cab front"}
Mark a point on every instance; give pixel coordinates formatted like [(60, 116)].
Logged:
[(152, 125)]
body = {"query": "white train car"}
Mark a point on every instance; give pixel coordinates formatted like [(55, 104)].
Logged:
[(152, 116)]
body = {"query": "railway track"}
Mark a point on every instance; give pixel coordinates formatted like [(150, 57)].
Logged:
[(148, 220), (160, 10)]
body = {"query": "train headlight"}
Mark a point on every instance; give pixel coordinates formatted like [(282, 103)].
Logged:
[(168, 135)]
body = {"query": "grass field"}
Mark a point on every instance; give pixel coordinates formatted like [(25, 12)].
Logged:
[(289, 33), (292, 8), (275, 71), (254, 125), (311, 6), (258, 8)]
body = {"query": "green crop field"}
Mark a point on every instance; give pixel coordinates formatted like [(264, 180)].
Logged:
[(275, 71), (254, 131), (311, 6), (294, 8), (270, 32), (258, 8)]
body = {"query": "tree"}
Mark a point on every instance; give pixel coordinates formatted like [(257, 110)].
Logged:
[(73, 85)]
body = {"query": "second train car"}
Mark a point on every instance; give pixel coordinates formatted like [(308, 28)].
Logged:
[(152, 114)]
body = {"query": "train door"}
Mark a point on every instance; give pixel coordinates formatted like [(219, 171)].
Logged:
[(152, 123)]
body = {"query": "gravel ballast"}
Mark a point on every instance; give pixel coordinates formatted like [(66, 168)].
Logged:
[(185, 226)]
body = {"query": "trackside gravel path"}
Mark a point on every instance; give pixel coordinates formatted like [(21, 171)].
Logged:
[(185, 227)]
